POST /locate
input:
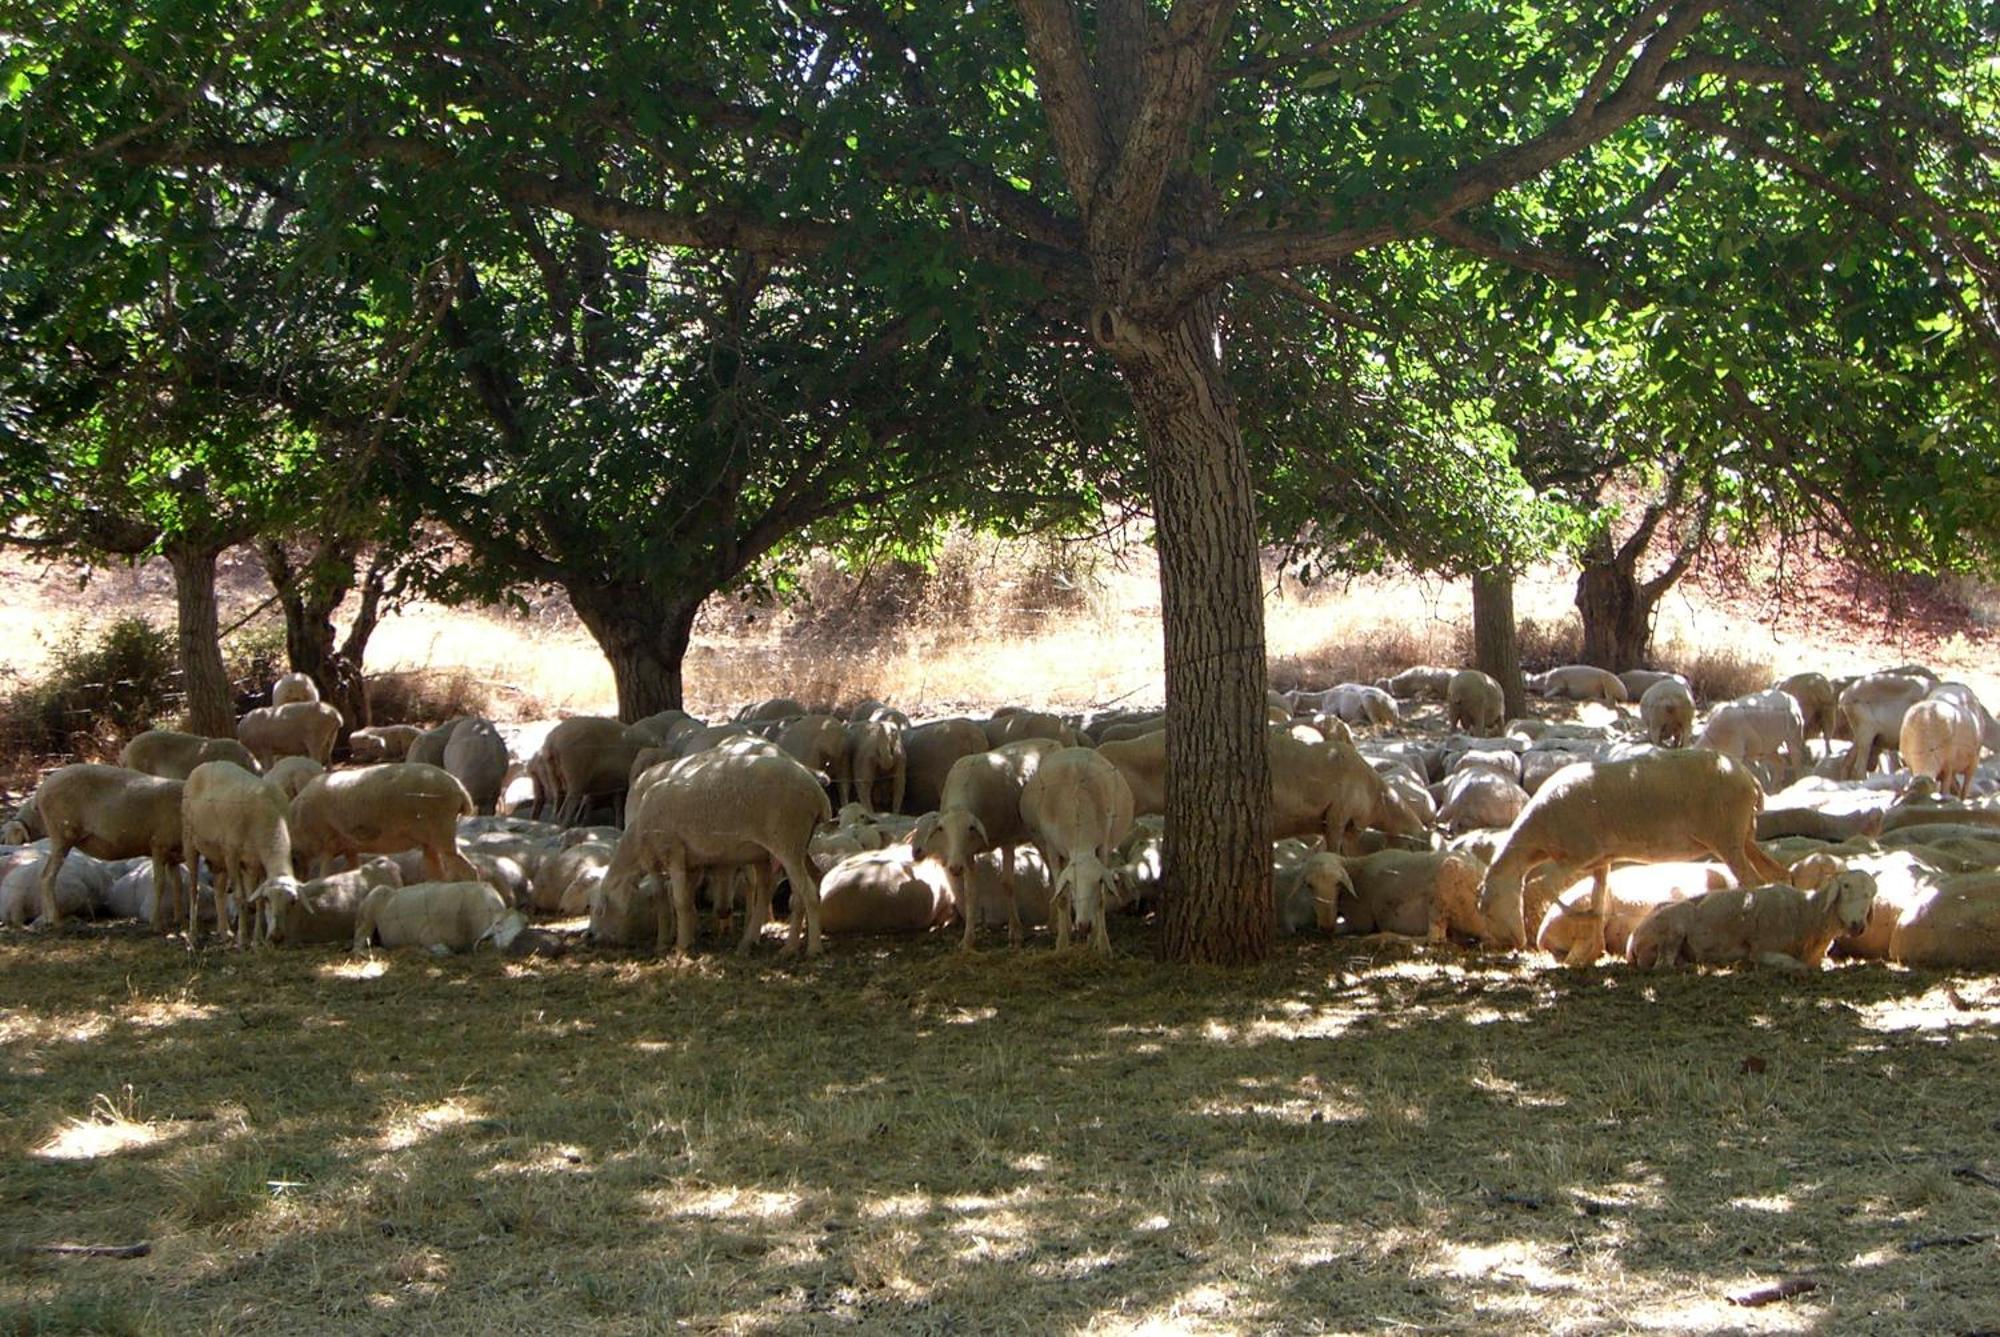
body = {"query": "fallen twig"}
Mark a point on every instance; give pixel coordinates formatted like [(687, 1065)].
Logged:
[(1976, 1175), (139, 1250), (1948, 1241), (1774, 1292)]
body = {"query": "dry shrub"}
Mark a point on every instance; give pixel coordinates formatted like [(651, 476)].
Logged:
[(1365, 655), (1544, 644), (423, 696), (97, 694), (1720, 673)]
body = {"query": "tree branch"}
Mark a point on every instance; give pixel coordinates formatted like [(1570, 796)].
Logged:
[(1069, 97), (1325, 46)]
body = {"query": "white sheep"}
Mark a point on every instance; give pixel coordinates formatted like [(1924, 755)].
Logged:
[(884, 891), (979, 809), (172, 755), (1989, 728), (384, 742), (1640, 681), (1077, 809), (1635, 890), (82, 885), (1432, 894), (291, 687), (1014, 726), (324, 910), (1775, 924), (384, 809), (1667, 712), (110, 812), (584, 760), (1479, 796), (1956, 926), (288, 775), (1309, 884), (930, 751), (1764, 730), (875, 756), (1872, 708), (562, 882), (1667, 805), (1578, 682), (1331, 791), (1420, 681), (476, 755), (438, 916), (1939, 739), (1474, 702), (301, 729), (238, 824), (1819, 704)]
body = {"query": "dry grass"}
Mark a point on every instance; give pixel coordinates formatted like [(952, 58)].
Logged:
[(904, 1139)]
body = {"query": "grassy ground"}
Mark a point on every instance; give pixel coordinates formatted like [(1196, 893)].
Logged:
[(1355, 1138)]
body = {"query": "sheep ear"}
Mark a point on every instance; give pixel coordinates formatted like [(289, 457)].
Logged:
[(920, 835), (1316, 844), (980, 827)]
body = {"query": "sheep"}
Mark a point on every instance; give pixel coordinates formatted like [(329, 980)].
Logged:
[(1634, 890), (1474, 702), (1431, 894), (980, 809), (666, 726), (1939, 739), (477, 755), (437, 916), (1309, 885), (1330, 790), (1540, 764), (1667, 805), (502, 872), (1420, 681), (1077, 808), (931, 750), (384, 742), (1578, 682), (874, 756), (776, 708), (81, 885), (1667, 712), (587, 759), (1989, 728), (1763, 729), (1350, 702), (237, 823), (1640, 681), (723, 809), (301, 729), (998, 899), (288, 775), (1956, 926), (818, 743), (1775, 924), (291, 687), (1872, 709), (1142, 761), (111, 813), (1131, 728), (171, 755), (1819, 704), (561, 885), (324, 910), (383, 809), (131, 894), (25, 825), (1015, 726), (427, 748), (1478, 796), (884, 891)]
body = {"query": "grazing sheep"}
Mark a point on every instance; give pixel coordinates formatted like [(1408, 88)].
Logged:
[(1474, 702), (1578, 682), (1635, 890), (385, 809), (288, 775), (1432, 894), (1478, 796), (476, 755), (237, 823), (884, 891), (1424, 680), (875, 756), (301, 729), (1667, 712), (1666, 805), (1774, 924), (719, 810), (172, 756), (324, 910), (1819, 704), (1330, 790), (1310, 886), (1872, 708), (384, 742), (931, 751), (1765, 729), (979, 810), (1989, 728), (291, 687), (1939, 740), (1956, 926), (586, 759), (82, 885), (447, 916), (1640, 681), (110, 812), (1077, 809)]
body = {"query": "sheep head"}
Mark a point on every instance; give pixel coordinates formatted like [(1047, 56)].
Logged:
[(1852, 896), (954, 837), (1500, 903), (1092, 890), (1329, 879)]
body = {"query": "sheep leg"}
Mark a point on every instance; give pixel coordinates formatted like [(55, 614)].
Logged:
[(1588, 944), (756, 905), (1780, 961), (1750, 863), (163, 889), (1014, 930), (805, 887), (51, 869), (1059, 910), (960, 892), (678, 906)]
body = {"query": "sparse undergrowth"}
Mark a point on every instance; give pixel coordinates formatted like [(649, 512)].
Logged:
[(902, 1138)]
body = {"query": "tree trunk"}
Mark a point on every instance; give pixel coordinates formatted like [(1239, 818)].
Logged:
[(645, 637), (309, 592), (1496, 648), (209, 711), (1617, 614), (1218, 907)]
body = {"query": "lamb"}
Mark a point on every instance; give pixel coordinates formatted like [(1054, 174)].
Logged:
[(1667, 712), (82, 885), (1757, 729), (288, 775), (1077, 809), (324, 910), (1940, 739), (1819, 704), (477, 756), (723, 809), (1475, 703), (1666, 805), (446, 916), (1309, 885), (1774, 924), (171, 755), (384, 742), (291, 687), (1635, 890), (111, 813), (383, 809), (884, 891), (238, 824), (1420, 681), (980, 809), (1579, 682), (1432, 894), (301, 729), (1873, 709)]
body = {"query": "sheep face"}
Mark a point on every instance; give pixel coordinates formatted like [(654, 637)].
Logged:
[(1500, 903), (1092, 890), (278, 901), (954, 837), (1329, 880), (1853, 897)]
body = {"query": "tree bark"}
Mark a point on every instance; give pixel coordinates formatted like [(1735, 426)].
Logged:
[(1617, 610), (209, 711), (1218, 907), (645, 638), (1496, 648)]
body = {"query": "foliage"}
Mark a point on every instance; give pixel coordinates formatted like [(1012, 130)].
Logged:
[(98, 691), (253, 656)]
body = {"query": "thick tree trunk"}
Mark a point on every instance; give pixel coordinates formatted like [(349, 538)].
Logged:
[(645, 637), (209, 711), (1617, 615), (1217, 906), (1496, 648), (309, 593)]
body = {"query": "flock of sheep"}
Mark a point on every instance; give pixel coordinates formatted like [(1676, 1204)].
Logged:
[(1409, 806)]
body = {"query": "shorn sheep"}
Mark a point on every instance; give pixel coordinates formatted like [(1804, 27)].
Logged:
[(1474, 702), (979, 809), (385, 809), (237, 823), (1077, 809), (1667, 805), (110, 812), (1940, 739), (1776, 924)]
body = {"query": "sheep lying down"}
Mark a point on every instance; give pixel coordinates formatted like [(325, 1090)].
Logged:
[(1635, 891), (1774, 924), (438, 916)]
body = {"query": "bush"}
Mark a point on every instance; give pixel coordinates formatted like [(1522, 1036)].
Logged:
[(252, 657), (97, 694), (426, 696)]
